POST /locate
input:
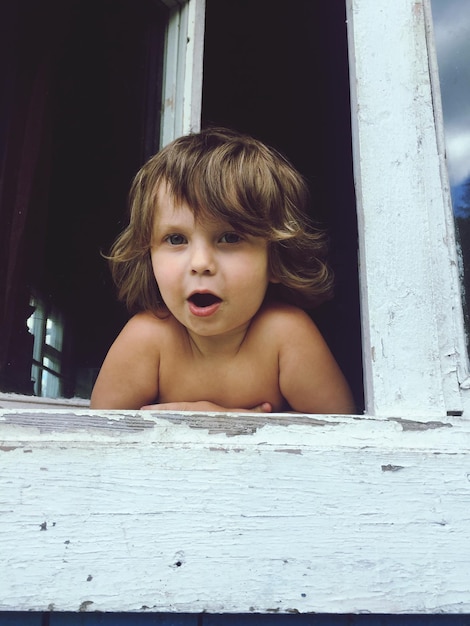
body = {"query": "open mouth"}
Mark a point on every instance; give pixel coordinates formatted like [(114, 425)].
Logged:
[(203, 300)]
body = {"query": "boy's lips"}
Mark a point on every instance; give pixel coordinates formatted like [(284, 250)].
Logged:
[(203, 303)]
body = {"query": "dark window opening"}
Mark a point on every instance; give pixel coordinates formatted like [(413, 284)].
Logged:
[(80, 110), (81, 113), (279, 71)]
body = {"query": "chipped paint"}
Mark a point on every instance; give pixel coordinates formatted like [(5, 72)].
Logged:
[(211, 516), (413, 335), (414, 425), (77, 420), (289, 450), (391, 468), (355, 533)]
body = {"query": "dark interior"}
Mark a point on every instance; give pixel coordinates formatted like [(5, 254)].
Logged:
[(80, 115), (82, 107)]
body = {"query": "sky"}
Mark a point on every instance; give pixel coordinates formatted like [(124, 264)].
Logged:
[(451, 19)]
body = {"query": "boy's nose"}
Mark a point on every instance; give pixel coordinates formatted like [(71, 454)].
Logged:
[(202, 260)]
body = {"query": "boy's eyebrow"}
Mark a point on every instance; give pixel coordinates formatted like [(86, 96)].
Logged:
[(167, 229), (168, 225), (174, 224), (172, 220)]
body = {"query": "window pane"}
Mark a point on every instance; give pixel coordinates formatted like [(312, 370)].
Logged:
[(451, 20)]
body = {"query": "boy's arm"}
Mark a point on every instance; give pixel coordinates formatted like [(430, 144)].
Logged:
[(201, 405), (128, 377), (310, 379)]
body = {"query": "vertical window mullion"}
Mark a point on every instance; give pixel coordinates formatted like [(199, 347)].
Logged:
[(408, 290), (182, 78)]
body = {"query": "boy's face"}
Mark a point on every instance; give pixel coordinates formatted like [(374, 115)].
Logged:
[(212, 279)]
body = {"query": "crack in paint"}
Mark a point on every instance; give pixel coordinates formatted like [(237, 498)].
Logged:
[(73, 422)]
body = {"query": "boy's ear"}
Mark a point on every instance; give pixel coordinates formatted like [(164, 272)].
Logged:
[(274, 279)]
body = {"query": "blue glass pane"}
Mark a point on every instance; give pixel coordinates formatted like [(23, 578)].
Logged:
[(451, 22), (20, 619), (121, 619)]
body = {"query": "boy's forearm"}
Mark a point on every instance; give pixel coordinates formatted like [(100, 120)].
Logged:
[(264, 407)]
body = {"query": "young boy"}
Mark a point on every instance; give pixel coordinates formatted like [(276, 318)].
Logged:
[(216, 260)]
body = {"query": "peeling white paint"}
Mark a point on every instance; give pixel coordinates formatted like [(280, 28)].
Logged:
[(223, 513), (409, 281), (137, 511)]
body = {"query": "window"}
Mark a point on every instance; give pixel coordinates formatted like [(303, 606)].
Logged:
[(251, 68), (47, 328), (285, 514), (413, 343)]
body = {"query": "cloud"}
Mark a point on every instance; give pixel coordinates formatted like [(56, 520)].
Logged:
[(458, 156)]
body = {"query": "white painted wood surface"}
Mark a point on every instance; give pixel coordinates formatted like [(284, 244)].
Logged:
[(281, 513), (414, 355), (129, 512), (182, 81), (20, 401)]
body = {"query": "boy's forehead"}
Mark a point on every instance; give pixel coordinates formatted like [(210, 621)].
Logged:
[(165, 196), (169, 207), (172, 210)]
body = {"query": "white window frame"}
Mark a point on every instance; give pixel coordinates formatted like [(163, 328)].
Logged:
[(182, 512), (413, 335), (182, 76)]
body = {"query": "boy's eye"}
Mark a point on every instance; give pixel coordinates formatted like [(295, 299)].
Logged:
[(230, 238), (175, 240)]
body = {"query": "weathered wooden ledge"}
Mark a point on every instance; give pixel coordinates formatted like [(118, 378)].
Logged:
[(190, 512)]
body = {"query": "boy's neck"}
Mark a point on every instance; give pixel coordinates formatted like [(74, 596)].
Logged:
[(218, 346)]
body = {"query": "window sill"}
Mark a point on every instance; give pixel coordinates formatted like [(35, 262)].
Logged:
[(19, 401), (191, 512)]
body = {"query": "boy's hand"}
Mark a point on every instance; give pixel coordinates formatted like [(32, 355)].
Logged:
[(264, 407)]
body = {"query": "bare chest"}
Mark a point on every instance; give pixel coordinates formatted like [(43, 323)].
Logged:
[(243, 382)]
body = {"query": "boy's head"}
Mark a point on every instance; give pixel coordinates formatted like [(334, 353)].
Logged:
[(235, 178)]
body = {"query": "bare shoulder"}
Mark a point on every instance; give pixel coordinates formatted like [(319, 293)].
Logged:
[(284, 320), (129, 375), (310, 378), (145, 327)]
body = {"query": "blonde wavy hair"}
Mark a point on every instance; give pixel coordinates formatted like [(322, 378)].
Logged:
[(234, 177)]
